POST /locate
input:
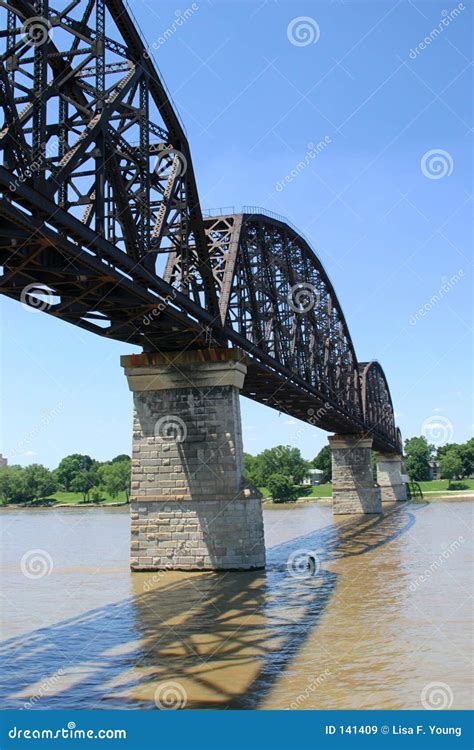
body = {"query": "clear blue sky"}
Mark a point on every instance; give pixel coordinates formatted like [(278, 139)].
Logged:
[(386, 231)]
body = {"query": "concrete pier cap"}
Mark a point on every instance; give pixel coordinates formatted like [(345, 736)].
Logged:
[(191, 508)]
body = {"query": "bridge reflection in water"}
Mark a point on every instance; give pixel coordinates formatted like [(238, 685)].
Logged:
[(227, 639)]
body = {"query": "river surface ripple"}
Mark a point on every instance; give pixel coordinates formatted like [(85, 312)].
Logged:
[(385, 615)]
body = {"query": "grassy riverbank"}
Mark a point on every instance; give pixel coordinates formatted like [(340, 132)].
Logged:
[(441, 485), (433, 490), (77, 499), (320, 490), (59, 499), (437, 488)]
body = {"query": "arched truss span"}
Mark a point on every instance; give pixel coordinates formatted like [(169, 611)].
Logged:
[(275, 296), (377, 402), (275, 293)]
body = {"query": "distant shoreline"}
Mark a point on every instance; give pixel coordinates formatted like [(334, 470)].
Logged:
[(433, 498), (428, 497), (55, 506)]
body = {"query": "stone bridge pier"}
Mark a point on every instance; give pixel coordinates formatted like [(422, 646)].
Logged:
[(389, 477), (190, 506), (353, 487)]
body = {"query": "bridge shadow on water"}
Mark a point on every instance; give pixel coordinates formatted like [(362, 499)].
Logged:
[(225, 638)]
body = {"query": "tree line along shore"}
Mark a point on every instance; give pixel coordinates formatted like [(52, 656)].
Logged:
[(280, 473)]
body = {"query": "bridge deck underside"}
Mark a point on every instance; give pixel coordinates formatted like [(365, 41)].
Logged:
[(133, 306), (281, 393)]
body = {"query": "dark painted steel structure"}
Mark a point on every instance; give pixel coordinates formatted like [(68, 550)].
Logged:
[(101, 224)]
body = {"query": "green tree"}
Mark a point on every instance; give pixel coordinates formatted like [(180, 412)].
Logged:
[(84, 481), (450, 466), (12, 484), (121, 457), (5, 472), (39, 482), (252, 469), (115, 477), (418, 454), (323, 462), (283, 460), (70, 467), (281, 488), (442, 449), (466, 451)]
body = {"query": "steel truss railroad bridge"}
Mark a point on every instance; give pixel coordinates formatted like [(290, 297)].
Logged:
[(100, 210)]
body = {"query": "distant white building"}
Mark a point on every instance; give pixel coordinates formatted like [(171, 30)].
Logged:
[(3, 461), (315, 476)]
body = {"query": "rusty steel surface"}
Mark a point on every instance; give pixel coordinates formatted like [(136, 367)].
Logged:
[(100, 214)]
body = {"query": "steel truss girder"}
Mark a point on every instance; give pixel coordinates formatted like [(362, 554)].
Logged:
[(377, 403), (116, 105), (260, 263), (273, 267), (91, 276), (122, 246)]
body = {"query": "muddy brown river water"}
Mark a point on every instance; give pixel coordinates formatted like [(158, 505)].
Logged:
[(383, 621)]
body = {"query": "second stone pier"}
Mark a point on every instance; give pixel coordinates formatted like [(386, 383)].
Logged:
[(390, 477), (353, 486), (190, 506)]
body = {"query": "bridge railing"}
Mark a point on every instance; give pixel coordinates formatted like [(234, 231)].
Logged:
[(223, 211), (227, 210), (277, 217)]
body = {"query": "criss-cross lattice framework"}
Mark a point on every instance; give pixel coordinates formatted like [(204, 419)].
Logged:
[(377, 402), (89, 125), (101, 224), (275, 294)]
